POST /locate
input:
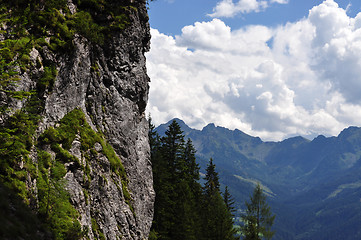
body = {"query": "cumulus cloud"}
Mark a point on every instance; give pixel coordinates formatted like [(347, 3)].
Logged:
[(305, 83), (227, 8)]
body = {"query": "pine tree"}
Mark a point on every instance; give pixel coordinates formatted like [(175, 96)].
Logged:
[(175, 174), (183, 209), (229, 201), (187, 192), (163, 219), (192, 167), (191, 194), (212, 180), (172, 151), (217, 220), (258, 218)]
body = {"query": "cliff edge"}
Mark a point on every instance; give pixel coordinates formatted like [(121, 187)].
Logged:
[(74, 138)]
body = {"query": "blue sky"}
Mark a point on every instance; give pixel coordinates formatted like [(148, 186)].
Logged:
[(170, 16), (271, 68)]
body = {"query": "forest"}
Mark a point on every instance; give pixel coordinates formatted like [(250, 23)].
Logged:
[(190, 207)]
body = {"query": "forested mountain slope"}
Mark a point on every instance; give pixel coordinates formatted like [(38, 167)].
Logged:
[(314, 187)]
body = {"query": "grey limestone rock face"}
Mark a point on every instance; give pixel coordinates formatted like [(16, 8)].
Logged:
[(109, 84), (114, 97)]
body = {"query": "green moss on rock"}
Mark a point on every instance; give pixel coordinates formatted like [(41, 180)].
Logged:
[(72, 125)]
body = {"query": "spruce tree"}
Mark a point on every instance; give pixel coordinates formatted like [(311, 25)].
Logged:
[(258, 218), (211, 185), (167, 195), (191, 197), (217, 219), (229, 201), (183, 209), (192, 168), (175, 174)]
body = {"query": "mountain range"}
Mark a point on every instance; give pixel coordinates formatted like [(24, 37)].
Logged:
[(313, 187)]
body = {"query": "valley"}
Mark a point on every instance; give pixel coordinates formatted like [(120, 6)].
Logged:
[(313, 186)]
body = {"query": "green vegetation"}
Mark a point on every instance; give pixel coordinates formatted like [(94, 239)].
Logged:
[(16, 141), (18, 221), (48, 79), (38, 24), (14, 54), (218, 221), (72, 125), (93, 19), (258, 218), (50, 27), (55, 207), (96, 230), (183, 209)]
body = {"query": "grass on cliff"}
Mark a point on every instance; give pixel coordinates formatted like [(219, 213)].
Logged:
[(49, 26), (71, 127)]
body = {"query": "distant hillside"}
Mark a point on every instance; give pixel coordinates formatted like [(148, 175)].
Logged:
[(314, 187)]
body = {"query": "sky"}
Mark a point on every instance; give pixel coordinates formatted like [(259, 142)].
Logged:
[(270, 68)]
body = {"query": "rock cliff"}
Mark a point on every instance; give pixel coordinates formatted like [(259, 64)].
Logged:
[(74, 138)]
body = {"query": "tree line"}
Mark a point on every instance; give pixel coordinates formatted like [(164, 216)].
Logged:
[(186, 210)]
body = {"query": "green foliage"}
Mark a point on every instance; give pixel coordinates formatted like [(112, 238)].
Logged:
[(86, 26), (258, 218), (229, 201), (18, 221), (175, 204), (48, 79), (153, 235), (72, 125), (32, 21), (15, 145), (20, 94), (182, 211), (212, 180), (13, 54), (218, 223), (96, 230), (55, 207)]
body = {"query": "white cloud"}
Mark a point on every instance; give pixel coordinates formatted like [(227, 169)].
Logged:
[(306, 83), (280, 1), (227, 8)]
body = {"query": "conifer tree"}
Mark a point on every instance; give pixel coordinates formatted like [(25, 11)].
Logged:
[(192, 167), (175, 182), (229, 201), (191, 193), (166, 182), (258, 218), (183, 210), (217, 220), (212, 180)]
